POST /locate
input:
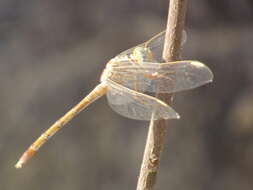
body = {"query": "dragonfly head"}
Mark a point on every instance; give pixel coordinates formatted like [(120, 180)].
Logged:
[(142, 54)]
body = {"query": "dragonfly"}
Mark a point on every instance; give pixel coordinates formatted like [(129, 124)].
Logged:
[(128, 80)]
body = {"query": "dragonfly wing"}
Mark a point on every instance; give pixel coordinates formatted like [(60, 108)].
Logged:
[(158, 40), (155, 42), (165, 77), (135, 105), (156, 45), (129, 51)]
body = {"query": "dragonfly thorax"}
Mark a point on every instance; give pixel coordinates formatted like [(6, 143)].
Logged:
[(107, 72)]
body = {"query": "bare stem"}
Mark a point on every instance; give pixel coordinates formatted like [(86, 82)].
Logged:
[(157, 129)]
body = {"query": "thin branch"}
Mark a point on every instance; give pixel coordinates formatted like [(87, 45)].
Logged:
[(157, 129)]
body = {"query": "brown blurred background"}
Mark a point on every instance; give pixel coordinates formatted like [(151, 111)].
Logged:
[(52, 54)]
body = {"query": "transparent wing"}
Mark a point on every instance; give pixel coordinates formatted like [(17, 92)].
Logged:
[(155, 45), (155, 41), (135, 105), (129, 51), (158, 40), (165, 77)]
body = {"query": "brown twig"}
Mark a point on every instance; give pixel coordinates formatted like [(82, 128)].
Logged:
[(157, 129)]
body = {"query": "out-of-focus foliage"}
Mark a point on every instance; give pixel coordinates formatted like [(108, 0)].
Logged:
[(52, 54)]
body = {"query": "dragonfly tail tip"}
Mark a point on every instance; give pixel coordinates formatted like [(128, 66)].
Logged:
[(25, 157), (19, 164)]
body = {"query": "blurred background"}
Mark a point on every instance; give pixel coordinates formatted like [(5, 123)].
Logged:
[(52, 54)]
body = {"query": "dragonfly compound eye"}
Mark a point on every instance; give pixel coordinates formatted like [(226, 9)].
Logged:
[(142, 54)]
